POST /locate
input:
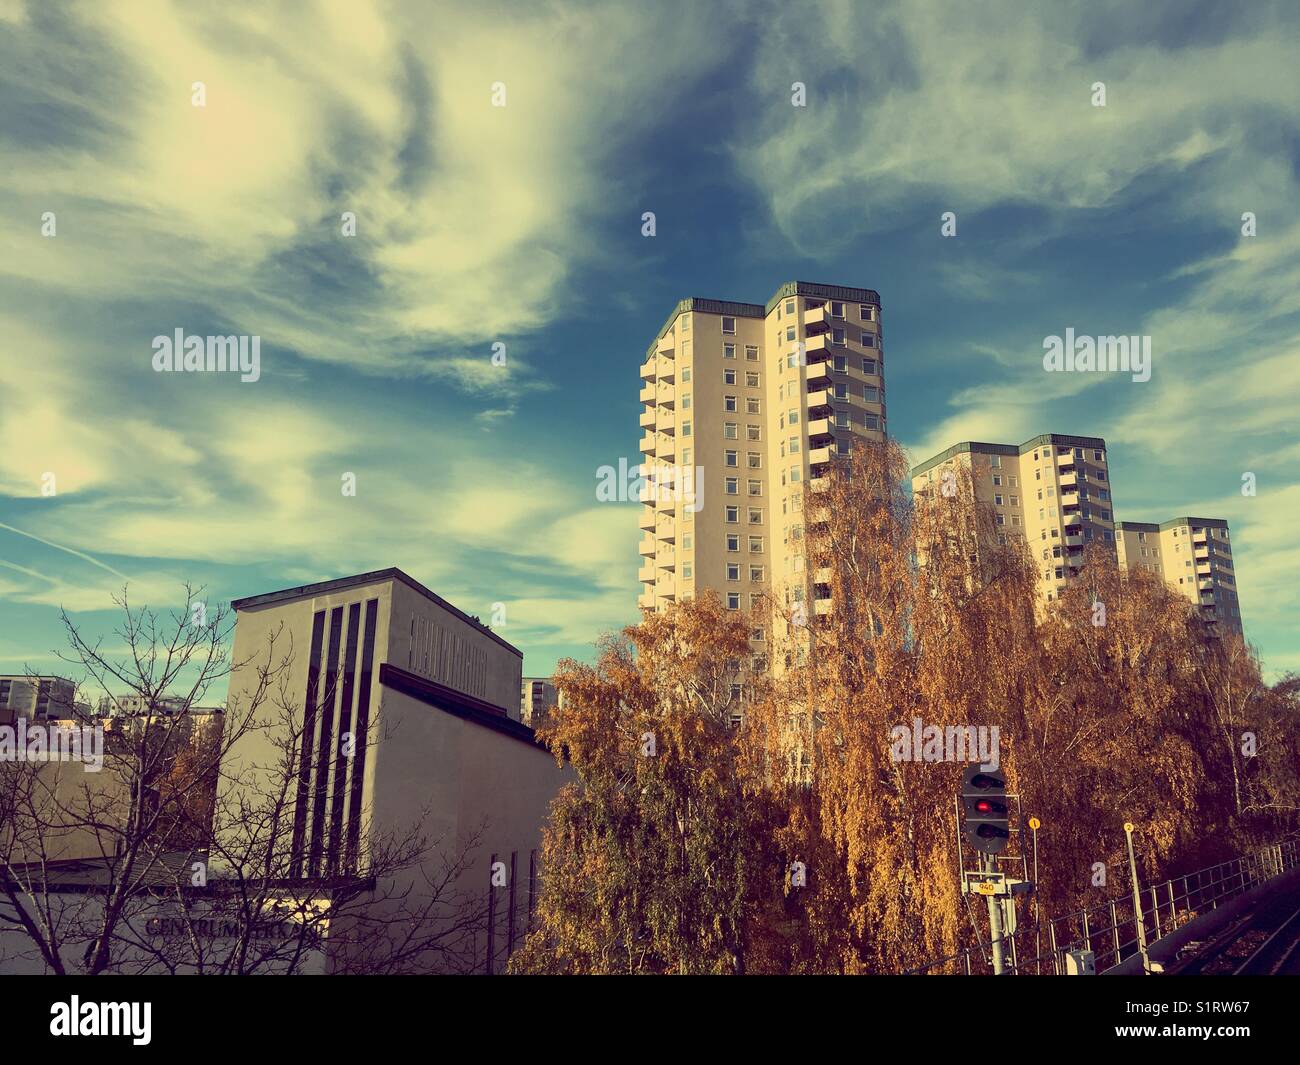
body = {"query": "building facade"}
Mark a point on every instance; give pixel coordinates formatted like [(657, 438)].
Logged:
[(537, 698), (745, 405), (36, 698), (1054, 491), (1194, 556), (408, 711)]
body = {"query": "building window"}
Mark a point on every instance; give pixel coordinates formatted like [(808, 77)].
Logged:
[(868, 340), (733, 600), (997, 482), (755, 460), (686, 428), (755, 515), (794, 445), (751, 406), (733, 541), (686, 401), (730, 431), (755, 545), (756, 574), (837, 309), (729, 376), (866, 312), (753, 432), (728, 326), (728, 351), (686, 375), (751, 352), (733, 458), (751, 378), (733, 571), (729, 404), (733, 515), (756, 488), (732, 486)]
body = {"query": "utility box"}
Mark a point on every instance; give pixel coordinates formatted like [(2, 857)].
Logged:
[(1080, 963)]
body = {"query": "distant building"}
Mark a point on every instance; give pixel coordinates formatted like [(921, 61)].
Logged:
[(1194, 556), (537, 697), (37, 698)]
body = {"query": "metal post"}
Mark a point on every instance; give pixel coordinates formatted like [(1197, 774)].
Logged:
[(995, 920), (1155, 910), (1137, 900), (1056, 961), (1173, 908), (1114, 931), (1038, 912)]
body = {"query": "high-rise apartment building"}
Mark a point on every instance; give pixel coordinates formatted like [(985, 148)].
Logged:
[(37, 698), (745, 406), (1053, 490), (1194, 556)]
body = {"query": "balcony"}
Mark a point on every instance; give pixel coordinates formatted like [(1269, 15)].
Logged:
[(1206, 584), (817, 319), (646, 574), (822, 606), (820, 427), (1074, 541), (820, 455), (667, 531), (648, 370), (648, 444), (647, 522), (667, 447), (648, 418), (821, 347), (668, 561), (667, 370), (1069, 498), (646, 600), (818, 484), (666, 396), (667, 345), (819, 400), (819, 376), (647, 547), (1069, 480), (647, 394), (666, 423)]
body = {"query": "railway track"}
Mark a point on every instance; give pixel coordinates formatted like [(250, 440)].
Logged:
[(1264, 942)]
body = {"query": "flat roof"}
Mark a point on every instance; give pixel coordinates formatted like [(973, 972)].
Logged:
[(733, 309), (373, 577), (979, 447), (458, 704)]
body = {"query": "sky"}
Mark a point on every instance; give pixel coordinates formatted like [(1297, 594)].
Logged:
[(478, 225)]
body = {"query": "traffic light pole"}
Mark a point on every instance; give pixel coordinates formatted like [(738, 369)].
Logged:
[(995, 919)]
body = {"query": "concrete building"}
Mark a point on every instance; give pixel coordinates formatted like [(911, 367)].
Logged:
[(1054, 491), (407, 717), (537, 697), (36, 698), (1194, 556), (745, 405)]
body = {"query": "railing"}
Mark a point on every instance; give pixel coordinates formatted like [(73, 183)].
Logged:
[(1110, 928)]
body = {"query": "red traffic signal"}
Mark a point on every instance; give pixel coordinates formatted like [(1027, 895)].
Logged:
[(985, 821)]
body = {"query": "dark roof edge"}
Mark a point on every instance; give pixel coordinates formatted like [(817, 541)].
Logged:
[(982, 448), (457, 703), (373, 577)]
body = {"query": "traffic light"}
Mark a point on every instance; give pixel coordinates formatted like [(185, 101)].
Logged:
[(984, 809)]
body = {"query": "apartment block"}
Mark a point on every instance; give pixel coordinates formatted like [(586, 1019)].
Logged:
[(537, 698), (745, 406), (1194, 556), (36, 698), (1053, 490)]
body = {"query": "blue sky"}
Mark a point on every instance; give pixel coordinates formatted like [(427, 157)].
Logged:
[(522, 225)]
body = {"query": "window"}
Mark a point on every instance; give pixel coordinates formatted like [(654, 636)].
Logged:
[(753, 432), (841, 419), (997, 500), (841, 391), (729, 329), (751, 378), (795, 474), (755, 515), (1013, 482), (751, 406), (686, 428), (1096, 456), (729, 404), (733, 541), (997, 482), (868, 340), (869, 366), (733, 571), (728, 376), (794, 445), (751, 352), (794, 417), (756, 488), (688, 571), (733, 600), (837, 309), (733, 486), (732, 458), (755, 545), (686, 401), (789, 306), (688, 542), (871, 393), (866, 312), (756, 574), (1015, 501), (730, 431), (871, 421), (686, 375), (755, 460), (728, 351), (733, 515), (996, 462), (686, 456), (685, 321), (841, 364), (837, 336), (789, 334)]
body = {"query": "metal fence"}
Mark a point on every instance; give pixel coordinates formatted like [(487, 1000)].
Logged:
[(1110, 928)]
